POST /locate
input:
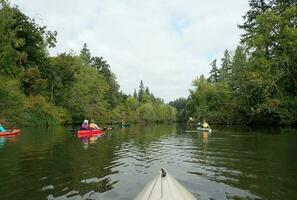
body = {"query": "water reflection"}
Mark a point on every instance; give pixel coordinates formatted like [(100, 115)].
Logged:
[(90, 140), (227, 164), (8, 139), (205, 143)]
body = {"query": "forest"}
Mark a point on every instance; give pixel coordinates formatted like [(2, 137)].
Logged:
[(38, 89), (257, 82)]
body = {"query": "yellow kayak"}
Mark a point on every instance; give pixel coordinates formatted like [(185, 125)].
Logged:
[(164, 187)]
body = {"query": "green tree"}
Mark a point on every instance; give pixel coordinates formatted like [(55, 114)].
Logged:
[(257, 7), (132, 103), (214, 73), (32, 81), (141, 92), (181, 106), (226, 70), (86, 98), (113, 95), (85, 54), (23, 45), (275, 74), (60, 76), (211, 101), (135, 94), (146, 112)]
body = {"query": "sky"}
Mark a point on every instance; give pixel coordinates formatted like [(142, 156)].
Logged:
[(165, 43)]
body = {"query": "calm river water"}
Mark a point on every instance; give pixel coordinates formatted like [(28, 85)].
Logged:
[(229, 163)]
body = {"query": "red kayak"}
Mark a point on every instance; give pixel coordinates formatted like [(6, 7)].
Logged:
[(11, 133), (89, 133)]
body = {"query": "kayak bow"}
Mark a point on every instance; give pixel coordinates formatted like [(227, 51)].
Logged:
[(164, 187)]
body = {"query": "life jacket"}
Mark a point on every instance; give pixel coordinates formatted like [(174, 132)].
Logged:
[(2, 129), (93, 126), (205, 125)]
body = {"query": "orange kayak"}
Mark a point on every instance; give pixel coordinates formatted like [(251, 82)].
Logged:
[(89, 133), (8, 133)]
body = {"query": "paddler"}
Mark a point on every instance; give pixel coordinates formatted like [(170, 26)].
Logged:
[(93, 126), (85, 125), (2, 129), (205, 124)]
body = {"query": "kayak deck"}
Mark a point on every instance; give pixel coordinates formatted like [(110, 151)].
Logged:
[(164, 187)]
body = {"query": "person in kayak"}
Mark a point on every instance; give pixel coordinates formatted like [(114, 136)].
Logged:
[(123, 122), (85, 125), (93, 126), (2, 129), (205, 124)]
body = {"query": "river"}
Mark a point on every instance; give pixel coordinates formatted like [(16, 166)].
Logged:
[(230, 163)]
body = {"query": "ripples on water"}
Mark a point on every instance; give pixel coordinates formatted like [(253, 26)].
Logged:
[(226, 164)]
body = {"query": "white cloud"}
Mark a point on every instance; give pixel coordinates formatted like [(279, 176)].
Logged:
[(164, 43)]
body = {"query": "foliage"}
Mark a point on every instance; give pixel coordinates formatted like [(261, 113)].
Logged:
[(37, 111), (22, 42), (32, 81), (66, 88), (258, 83), (181, 106)]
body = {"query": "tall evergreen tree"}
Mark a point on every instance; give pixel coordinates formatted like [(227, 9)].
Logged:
[(257, 7), (85, 54), (283, 4), (141, 92), (226, 70), (135, 94), (214, 73), (239, 67), (147, 91)]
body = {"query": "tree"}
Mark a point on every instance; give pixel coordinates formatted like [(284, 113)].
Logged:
[(275, 36), (85, 54), (211, 100), (23, 43), (181, 106), (146, 112), (103, 68), (60, 75), (32, 81), (226, 70), (86, 99), (132, 103), (135, 94), (214, 73), (147, 96), (141, 92), (239, 67), (257, 7)]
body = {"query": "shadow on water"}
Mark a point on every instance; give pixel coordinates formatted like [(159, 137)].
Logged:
[(229, 163)]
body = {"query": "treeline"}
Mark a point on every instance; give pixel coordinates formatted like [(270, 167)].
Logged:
[(39, 89), (257, 83)]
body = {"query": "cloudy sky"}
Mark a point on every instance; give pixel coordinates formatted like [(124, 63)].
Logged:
[(165, 43)]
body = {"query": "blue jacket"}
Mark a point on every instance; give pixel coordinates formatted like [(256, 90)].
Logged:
[(2, 129)]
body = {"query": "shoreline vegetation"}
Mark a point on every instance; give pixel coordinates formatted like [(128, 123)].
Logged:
[(257, 83), (254, 84), (38, 89)]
